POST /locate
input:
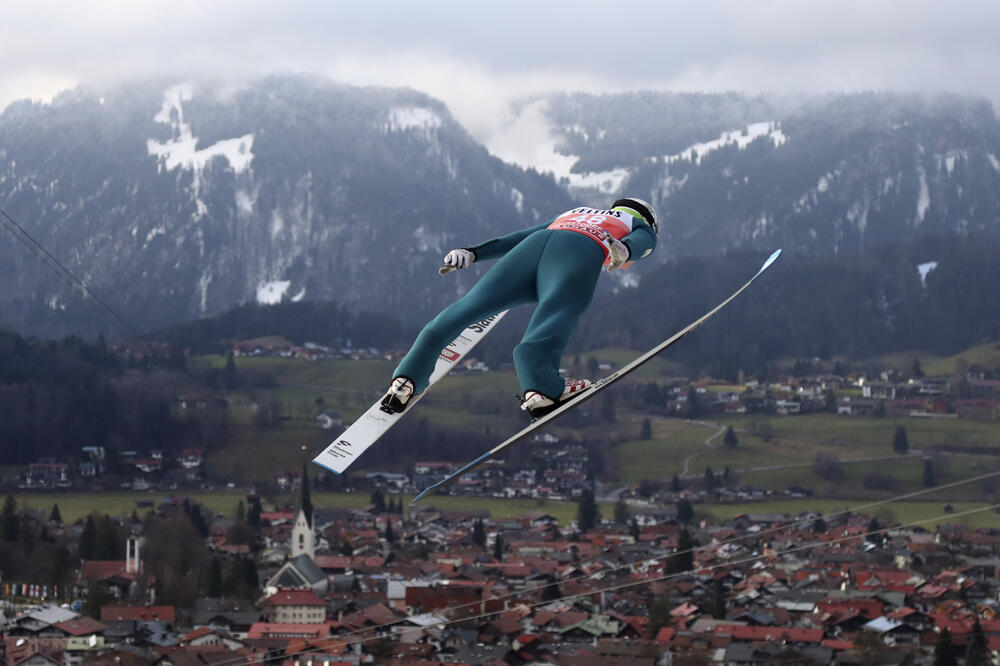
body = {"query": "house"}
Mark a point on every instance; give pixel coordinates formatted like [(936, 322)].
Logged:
[(209, 637), (40, 622), (879, 390), (892, 632), (857, 407), (47, 474), (222, 615), (294, 606), (191, 458)]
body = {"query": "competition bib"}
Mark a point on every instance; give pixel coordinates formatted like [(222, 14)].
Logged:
[(596, 224)]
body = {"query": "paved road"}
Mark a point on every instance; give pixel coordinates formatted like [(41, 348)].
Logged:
[(708, 446)]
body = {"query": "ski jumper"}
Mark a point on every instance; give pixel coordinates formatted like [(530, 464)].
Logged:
[(556, 265)]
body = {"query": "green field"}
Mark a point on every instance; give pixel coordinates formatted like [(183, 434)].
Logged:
[(483, 403), (663, 456), (73, 506), (986, 355), (903, 512), (796, 441)]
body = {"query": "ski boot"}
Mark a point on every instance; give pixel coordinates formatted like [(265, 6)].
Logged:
[(538, 404), (399, 394)]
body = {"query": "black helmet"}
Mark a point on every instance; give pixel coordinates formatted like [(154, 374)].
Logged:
[(638, 208)]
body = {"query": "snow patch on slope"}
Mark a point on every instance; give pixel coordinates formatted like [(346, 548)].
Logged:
[(924, 198), (182, 151), (741, 138), (271, 293), (412, 118), (924, 269)]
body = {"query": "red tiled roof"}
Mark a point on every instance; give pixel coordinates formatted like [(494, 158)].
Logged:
[(294, 598), (288, 630), (80, 626), (666, 636), (771, 634), (197, 633), (101, 569)]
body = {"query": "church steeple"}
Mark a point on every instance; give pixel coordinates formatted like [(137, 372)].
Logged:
[(303, 531), (304, 501)]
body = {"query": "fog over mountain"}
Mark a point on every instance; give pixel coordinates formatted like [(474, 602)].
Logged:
[(174, 200)]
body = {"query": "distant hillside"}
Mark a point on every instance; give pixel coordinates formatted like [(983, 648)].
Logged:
[(180, 200), (804, 307)]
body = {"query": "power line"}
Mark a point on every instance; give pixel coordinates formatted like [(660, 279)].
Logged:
[(613, 588), (534, 590), (66, 275)]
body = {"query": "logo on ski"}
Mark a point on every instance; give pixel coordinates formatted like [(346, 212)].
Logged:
[(335, 450), (481, 326)]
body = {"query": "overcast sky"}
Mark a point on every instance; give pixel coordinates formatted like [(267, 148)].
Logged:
[(476, 56)]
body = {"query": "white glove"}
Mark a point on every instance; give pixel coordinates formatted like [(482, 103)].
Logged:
[(618, 253), (459, 259)]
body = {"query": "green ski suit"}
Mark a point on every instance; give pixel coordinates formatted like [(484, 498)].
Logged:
[(555, 267)]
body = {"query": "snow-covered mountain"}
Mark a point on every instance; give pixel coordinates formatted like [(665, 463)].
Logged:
[(175, 200), (840, 174)]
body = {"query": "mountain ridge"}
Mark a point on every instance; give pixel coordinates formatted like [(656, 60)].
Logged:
[(175, 202)]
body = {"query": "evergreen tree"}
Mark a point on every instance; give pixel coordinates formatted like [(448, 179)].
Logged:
[(213, 582), (730, 439), (819, 526), (98, 596), (229, 373), (647, 430), (479, 533), (710, 481), (55, 516), (551, 592), (977, 651), (874, 532), (718, 600), (621, 512), (929, 478), (390, 536), (10, 522), (378, 502), (634, 530), (587, 513), (692, 407), (900, 443), (659, 615), (675, 483), (918, 370), (249, 572), (241, 512), (253, 515), (88, 539), (498, 548), (683, 558), (944, 651), (685, 512), (198, 521)]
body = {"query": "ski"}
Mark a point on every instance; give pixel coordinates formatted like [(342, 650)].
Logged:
[(597, 386), (374, 423)]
